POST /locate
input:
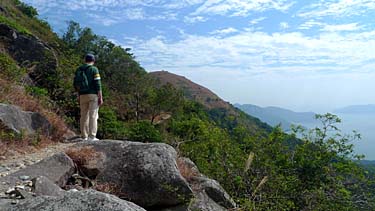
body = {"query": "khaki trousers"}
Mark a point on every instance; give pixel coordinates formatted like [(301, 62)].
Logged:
[(89, 115)]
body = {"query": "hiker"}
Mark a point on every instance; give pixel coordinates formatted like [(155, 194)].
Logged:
[(88, 85)]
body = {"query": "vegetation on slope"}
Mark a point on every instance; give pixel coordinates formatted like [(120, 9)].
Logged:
[(262, 167)]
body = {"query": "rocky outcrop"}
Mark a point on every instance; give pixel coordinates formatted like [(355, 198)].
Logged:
[(57, 168), (29, 52), (14, 119), (149, 175), (74, 201), (145, 174)]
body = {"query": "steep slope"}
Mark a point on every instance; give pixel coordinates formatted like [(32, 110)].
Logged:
[(217, 107), (192, 90)]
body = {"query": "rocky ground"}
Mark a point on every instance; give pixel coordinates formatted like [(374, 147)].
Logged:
[(108, 175), (15, 160)]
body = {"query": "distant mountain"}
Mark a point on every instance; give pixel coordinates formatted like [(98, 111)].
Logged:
[(356, 109), (192, 90), (275, 115), (220, 111)]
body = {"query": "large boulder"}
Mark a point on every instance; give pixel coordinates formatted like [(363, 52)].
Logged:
[(14, 119), (145, 174), (89, 200), (57, 168)]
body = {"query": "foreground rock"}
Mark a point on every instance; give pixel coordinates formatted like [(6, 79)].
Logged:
[(14, 119), (42, 186), (57, 168), (145, 174), (208, 193), (73, 201)]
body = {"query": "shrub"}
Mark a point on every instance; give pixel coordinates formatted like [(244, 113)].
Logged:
[(14, 25), (9, 67), (109, 126), (143, 131), (27, 9)]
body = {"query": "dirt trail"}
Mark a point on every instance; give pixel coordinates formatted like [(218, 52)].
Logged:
[(19, 160)]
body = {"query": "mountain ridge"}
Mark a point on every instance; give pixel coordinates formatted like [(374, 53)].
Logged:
[(276, 115)]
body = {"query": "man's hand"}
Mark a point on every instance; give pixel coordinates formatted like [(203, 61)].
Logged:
[(100, 99)]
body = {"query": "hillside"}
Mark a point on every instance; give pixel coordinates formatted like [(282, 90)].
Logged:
[(192, 90), (217, 107)]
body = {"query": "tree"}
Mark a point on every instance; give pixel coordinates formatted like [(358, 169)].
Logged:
[(164, 99)]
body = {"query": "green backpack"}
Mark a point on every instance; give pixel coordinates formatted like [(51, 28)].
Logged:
[(81, 82)]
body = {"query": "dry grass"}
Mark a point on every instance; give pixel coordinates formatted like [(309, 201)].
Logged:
[(249, 161), (186, 171), (83, 155), (110, 188), (16, 95)]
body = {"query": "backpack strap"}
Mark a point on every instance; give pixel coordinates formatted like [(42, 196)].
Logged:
[(84, 70)]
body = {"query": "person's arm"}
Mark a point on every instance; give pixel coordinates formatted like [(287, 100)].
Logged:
[(100, 98), (98, 86)]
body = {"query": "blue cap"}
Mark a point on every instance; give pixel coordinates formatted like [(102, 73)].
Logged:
[(89, 57)]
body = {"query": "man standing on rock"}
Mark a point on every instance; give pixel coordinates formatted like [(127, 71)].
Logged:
[(88, 85)]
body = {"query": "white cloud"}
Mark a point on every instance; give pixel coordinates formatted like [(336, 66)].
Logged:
[(284, 25), (194, 19), (310, 24), (341, 27), (240, 7), (257, 20), (259, 52), (330, 27), (338, 8), (109, 12), (225, 31)]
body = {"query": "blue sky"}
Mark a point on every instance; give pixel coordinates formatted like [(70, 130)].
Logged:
[(303, 55)]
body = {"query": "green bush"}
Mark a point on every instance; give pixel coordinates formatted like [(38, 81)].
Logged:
[(27, 9), (9, 67), (108, 125), (37, 91), (14, 25), (143, 131)]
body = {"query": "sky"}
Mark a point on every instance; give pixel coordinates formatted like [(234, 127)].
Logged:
[(314, 55)]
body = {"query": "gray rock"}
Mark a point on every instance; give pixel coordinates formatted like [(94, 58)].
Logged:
[(42, 186), (146, 174), (3, 169), (208, 193), (18, 121), (57, 168), (203, 202), (217, 193), (88, 200)]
